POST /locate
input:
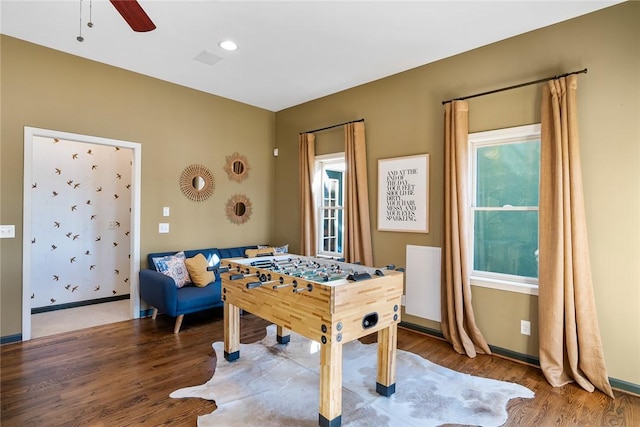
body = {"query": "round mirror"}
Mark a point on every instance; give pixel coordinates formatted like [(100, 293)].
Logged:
[(237, 167), (238, 209), (197, 183)]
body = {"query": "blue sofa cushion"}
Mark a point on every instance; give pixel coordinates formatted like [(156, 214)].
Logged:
[(192, 298)]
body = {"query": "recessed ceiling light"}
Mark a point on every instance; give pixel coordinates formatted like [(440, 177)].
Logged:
[(228, 45)]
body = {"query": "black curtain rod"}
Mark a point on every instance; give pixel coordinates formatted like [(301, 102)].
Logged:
[(516, 86), (333, 126)]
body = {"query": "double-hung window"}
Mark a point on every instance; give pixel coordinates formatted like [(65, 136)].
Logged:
[(330, 188), (505, 171)]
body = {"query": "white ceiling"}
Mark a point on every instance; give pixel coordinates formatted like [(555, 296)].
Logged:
[(290, 51)]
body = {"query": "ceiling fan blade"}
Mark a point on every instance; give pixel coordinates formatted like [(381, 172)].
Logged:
[(135, 16)]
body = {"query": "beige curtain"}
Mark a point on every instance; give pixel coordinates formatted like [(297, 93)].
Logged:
[(458, 321), (357, 245), (570, 347), (307, 154)]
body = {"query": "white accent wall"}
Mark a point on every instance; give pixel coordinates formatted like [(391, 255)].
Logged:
[(80, 222)]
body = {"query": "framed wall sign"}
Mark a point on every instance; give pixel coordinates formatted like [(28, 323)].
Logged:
[(403, 194)]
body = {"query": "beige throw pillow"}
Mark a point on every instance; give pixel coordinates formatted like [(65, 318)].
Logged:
[(197, 268)]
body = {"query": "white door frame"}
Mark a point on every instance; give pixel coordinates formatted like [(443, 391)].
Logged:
[(134, 263)]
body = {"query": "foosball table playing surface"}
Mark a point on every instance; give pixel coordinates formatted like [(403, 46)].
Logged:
[(324, 300)]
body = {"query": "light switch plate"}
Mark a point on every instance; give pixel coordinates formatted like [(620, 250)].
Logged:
[(165, 211), (7, 231)]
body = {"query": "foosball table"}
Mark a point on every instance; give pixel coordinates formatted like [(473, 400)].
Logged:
[(324, 300)]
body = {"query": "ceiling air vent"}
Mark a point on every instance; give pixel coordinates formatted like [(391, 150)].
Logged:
[(207, 57)]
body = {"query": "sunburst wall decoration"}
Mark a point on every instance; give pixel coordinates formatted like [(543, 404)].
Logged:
[(197, 183), (237, 167), (238, 209)]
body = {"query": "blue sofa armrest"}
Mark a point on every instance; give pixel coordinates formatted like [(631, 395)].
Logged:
[(159, 291)]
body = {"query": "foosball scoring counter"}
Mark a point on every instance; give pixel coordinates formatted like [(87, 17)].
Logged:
[(324, 300)]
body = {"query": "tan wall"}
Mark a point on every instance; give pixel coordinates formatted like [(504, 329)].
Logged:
[(176, 127), (404, 116)]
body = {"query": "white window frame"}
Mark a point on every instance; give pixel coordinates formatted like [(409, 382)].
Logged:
[(321, 162), (506, 282)]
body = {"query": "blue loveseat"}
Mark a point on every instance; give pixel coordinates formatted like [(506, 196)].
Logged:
[(162, 294)]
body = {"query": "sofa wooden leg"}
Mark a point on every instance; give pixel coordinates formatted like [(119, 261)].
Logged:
[(154, 314), (176, 328)]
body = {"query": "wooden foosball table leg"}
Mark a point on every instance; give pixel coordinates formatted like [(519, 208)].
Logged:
[(387, 344), (283, 335), (330, 385), (231, 332)]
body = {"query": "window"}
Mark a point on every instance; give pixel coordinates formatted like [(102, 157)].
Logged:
[(505, 171), (330, 170)]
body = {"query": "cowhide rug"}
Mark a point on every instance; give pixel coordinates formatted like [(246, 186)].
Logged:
[(277, 385)]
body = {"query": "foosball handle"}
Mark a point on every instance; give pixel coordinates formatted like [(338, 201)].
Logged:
[(218, 269), (356, 277), (252, 285)]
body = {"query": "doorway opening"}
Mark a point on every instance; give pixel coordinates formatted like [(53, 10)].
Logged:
[(75, 224)]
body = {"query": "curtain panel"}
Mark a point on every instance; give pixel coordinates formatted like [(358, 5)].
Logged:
[(357, 234), (570, 346), (307, 154), (458, 321)]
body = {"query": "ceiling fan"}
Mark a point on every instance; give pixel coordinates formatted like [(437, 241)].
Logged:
[(134, 14)]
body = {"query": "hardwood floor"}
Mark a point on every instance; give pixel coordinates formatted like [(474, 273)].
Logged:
[(121, 375)]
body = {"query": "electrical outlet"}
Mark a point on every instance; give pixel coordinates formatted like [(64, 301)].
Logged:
[(525, 327), (163, 227)]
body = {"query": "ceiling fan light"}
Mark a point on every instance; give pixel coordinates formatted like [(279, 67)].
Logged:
[(228, 45)]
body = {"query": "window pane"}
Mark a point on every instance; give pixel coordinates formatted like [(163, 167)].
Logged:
[(508, 174), (506, 242)]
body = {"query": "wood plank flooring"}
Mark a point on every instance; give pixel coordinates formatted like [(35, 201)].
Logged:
[(121, 375)]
